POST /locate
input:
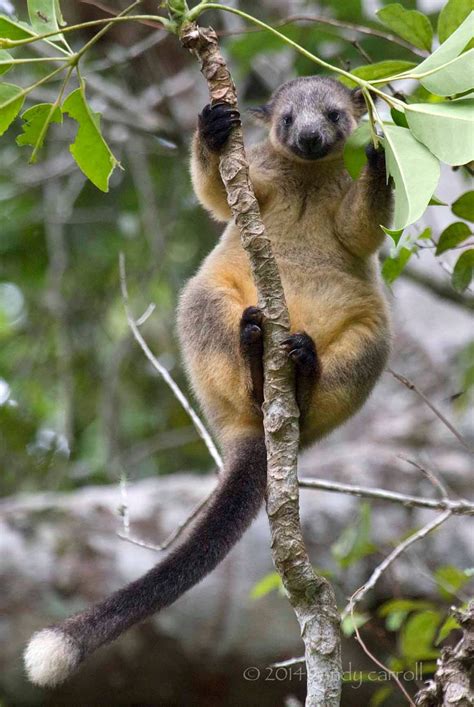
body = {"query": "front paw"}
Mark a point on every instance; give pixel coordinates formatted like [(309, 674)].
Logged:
[(375, 157), (216, 123), (302, 351), (251, 331)]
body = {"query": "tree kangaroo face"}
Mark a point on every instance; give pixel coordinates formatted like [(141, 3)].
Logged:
[(310, 118)]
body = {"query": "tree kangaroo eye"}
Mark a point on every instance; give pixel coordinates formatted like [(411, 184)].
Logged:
[(287, 120), (334, 116)]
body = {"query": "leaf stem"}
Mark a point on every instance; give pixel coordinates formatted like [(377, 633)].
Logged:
[(409, 75), (101, 32), (367, 85), (28, 89), (331, 22), (10, 43), (32, 60), (371, 109), (54, 106), (203, 6)]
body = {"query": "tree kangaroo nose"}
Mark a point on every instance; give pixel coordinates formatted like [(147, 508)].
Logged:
[(310, 141)]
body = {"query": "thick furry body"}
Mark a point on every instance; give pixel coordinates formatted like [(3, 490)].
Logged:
[(325, 232)]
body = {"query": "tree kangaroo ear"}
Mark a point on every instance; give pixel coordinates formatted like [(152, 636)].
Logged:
[(358, 102), (261, 114)]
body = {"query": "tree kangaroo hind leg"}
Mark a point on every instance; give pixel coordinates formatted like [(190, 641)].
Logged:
[(251, 347), (302, 351)]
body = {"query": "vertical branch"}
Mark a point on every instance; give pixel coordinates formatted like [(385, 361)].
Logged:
[(312, 597)]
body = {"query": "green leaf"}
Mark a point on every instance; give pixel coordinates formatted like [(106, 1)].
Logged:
[(450, 579), (9, 105), (380, 696), (353, 621), (434, 201), (411, 25), (10, 29), (13, 29), (89, 149), (394, 235), (37, 119), (406, 605), (463, 272), (452, 236), (399, 118), (451, 16), (449, 625), (393, 267), (378, 70), (8, 59), (453, 78), (267, 584), (44, 17), (354, 150), (464, 206), (447, 129), (354, 542), (417, 636), (425, 234), (395, 620), (415, 172), (450, 49)]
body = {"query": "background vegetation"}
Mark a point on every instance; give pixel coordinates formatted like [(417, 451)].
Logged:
[(78, 403)]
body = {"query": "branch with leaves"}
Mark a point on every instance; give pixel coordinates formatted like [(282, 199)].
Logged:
[(416, 137)]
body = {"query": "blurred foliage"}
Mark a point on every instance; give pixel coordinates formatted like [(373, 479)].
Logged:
[(78, 402)]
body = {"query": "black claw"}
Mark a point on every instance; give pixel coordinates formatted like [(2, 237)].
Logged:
[(216, 122), (302, 351), (251, 334), (375, 156), (252, 315)]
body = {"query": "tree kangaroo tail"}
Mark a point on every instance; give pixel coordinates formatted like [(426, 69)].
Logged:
[(55, 652)]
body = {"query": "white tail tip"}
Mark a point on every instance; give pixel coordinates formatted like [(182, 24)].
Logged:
[(50, 657)]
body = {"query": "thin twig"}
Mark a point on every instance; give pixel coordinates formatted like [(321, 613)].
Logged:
[(124, 507), (384, 667), (177, 392), (146, 314), (286, 663), (411, 386), (110, 11), (177, 532), (432, 478), (361, 29), (461, 507), (365, 55), (360, 593)]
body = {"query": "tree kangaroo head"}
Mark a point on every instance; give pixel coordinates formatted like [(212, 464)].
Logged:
[(310, 118)]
